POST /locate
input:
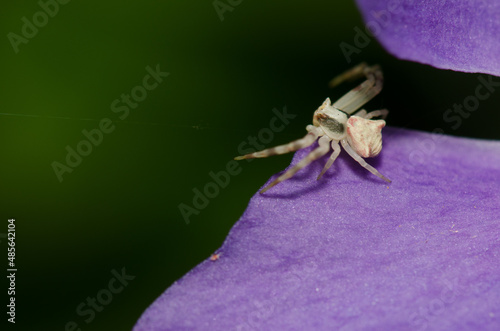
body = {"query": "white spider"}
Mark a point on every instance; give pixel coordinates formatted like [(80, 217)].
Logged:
[(359, 135)]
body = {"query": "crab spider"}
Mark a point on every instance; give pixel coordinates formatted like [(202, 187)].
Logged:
[(360, 136)]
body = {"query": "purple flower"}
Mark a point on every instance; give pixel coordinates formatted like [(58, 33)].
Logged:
[(350, 252), (461, 35)]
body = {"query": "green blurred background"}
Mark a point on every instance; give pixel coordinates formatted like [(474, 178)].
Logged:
[(119, 207)]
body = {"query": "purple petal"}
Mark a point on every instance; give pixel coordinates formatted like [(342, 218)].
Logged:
[(461, 35), (353, 253)]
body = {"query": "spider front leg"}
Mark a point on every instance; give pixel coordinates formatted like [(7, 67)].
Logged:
[(333, 157), (349, 75), (362, 162), (321, 150), (376, 113), (363, 93), (311, 137)]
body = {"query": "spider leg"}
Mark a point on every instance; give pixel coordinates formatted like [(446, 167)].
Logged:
[(321, 150), (335, 153), (362, 162), (349, 75), (361, 113), (376, 113), (309, 138), (363, 93), (310, 128)]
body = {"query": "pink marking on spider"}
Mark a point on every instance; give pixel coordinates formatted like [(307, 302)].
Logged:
[(365, 136)]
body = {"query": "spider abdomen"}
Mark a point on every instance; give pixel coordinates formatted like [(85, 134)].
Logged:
[(365, 136)]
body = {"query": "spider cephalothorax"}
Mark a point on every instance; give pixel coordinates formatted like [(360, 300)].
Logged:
[(331, 120), (358, 134)]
